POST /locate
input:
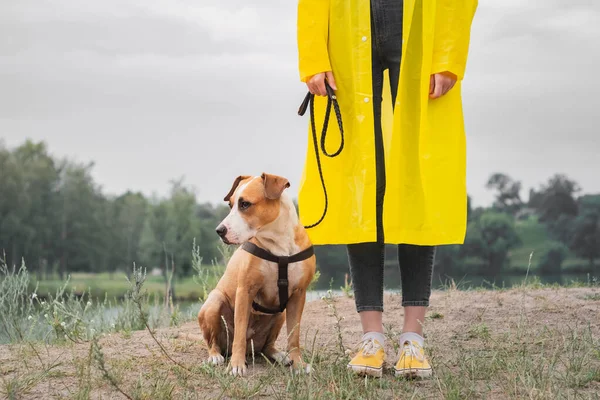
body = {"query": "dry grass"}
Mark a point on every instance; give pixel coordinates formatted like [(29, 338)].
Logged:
[(523, 343)]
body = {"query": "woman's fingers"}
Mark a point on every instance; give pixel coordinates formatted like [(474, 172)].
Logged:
[(440, 84), (438, 87), (431, 84), (330, 79), (316, 84)]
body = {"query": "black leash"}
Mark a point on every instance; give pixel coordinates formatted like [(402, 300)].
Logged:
[(331, 100), (282, 279)]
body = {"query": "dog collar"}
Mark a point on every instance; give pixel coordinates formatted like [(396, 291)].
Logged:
[(282, 279)]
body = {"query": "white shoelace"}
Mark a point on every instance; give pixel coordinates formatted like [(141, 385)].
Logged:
[(369, 347), (412, 350)]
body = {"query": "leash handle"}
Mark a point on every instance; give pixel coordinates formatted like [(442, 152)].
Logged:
[(309, 101)]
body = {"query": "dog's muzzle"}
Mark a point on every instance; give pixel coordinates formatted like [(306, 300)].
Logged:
[(222, 231)]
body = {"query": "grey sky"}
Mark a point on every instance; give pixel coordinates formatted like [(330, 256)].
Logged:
[(209, 89)]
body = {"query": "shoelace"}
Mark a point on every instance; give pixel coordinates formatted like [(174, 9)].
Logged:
[(369, 347), (411, 350)]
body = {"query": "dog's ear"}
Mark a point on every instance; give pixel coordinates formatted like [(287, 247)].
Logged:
[(235, 186), (274, 185)]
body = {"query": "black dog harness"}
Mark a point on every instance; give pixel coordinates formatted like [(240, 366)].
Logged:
[(282, 279)]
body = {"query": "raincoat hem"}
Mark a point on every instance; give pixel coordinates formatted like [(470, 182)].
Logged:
[(420, 238)]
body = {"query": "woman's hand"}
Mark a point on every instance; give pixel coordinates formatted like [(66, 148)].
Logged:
[(440, 84), (316, 84)]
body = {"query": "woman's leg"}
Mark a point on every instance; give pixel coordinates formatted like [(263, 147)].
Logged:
[(366, 271), (416, 270), (366, 268)]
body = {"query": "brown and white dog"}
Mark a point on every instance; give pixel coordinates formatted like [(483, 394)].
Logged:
[(264, 215)]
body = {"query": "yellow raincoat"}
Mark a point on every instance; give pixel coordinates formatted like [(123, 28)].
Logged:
[(425, 152)]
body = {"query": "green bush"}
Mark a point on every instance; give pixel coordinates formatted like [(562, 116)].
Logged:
[(551, 257), (490, 238)]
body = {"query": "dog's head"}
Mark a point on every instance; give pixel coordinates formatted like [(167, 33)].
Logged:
[(254, 202)]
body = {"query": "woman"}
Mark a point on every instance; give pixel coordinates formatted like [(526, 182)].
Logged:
[(396, 68)]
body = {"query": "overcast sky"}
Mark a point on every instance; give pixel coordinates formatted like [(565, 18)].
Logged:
[(208, 90)]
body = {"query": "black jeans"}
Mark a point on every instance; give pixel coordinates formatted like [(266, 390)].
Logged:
[(367, 259)]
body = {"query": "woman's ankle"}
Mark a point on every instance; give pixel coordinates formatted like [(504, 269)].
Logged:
[(371, 321)]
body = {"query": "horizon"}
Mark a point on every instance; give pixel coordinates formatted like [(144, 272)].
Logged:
[(524, 192)]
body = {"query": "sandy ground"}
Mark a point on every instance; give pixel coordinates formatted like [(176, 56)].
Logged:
[(455, 320)]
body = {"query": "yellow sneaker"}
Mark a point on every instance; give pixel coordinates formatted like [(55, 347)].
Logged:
[(369, 359), (412, 362)]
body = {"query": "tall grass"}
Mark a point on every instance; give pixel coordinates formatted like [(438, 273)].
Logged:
[(67, 316), (207, 276)]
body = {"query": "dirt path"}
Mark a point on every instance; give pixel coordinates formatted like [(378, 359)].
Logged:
[(521, 343)]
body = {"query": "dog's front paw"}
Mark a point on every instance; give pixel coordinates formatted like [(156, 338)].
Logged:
[(300, 367), (303, 369), (216, 359), (238, 367), (282, 358)]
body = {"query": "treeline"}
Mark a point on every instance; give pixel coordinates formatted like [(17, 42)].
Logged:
[(56, 218), (513, 235), (571, 221)]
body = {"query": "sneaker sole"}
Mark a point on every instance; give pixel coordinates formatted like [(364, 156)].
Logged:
[(365, 370), (414, 373)]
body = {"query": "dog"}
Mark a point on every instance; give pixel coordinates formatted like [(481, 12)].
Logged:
[(244, 314)]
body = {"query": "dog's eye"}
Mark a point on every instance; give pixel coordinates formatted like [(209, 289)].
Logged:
[(244, 205)]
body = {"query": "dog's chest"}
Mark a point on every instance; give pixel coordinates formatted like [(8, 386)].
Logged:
[(270, 292)]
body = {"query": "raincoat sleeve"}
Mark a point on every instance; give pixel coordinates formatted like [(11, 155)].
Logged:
[(313, 33), (452, 35)]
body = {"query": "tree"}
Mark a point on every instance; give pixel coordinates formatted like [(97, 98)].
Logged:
[(186, 226), (584, 238), (83, 239), (28, 180), (41, 177), (556, 198), (490, 237), (589, 202), (128, 214), (562, 228), (171, 228), (209, 217), (448, 260), (13, 204), (508, 198), (551, 258), (158, 234)]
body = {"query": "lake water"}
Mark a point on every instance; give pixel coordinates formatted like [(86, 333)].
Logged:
[(393, 283)]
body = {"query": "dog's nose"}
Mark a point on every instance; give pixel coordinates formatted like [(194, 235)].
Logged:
[(221, 230)]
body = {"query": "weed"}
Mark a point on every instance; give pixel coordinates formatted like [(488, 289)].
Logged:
[(98, 355), (314, 281), (480, 331), (137, 297), (593, 297), (436, 315), (347, 288), (83, 371), (330, 300)]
